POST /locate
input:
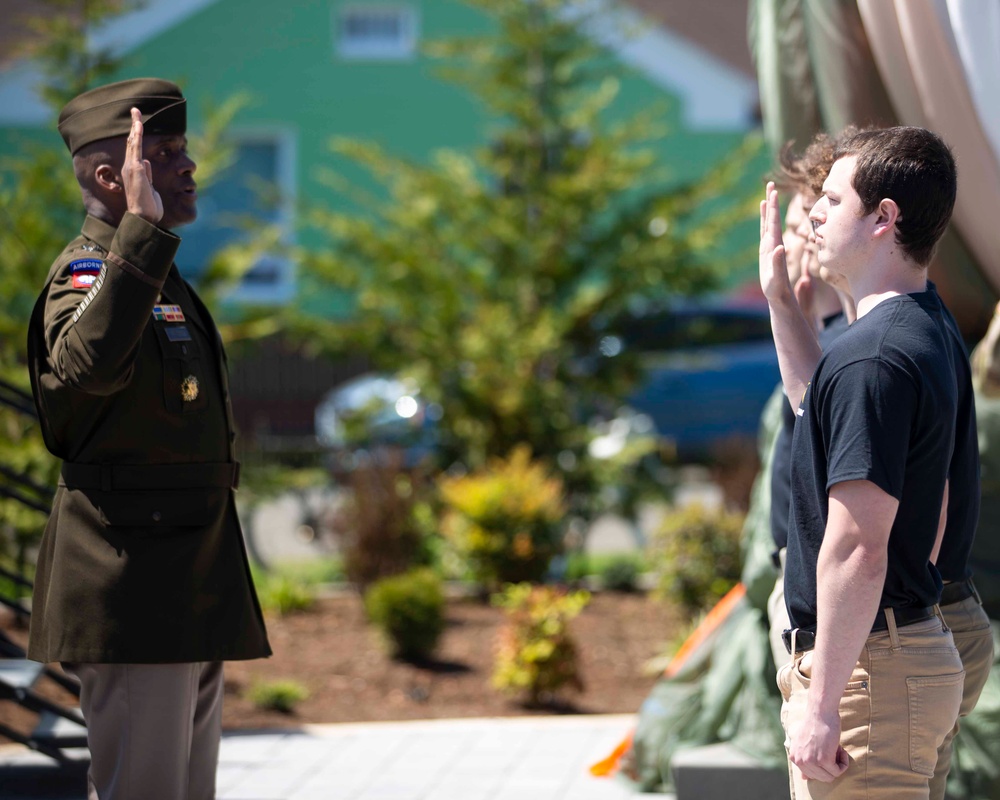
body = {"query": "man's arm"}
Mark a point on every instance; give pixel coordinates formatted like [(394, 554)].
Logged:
[(93, 336), (850, 575), (794, 337), (942, 525)]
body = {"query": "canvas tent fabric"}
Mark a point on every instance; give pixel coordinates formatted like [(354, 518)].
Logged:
[(976, 26), (823, 64), (917, 54)]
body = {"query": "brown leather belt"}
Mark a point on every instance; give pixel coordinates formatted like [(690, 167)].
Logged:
[(958, 591), (806, 640), (150, 477)]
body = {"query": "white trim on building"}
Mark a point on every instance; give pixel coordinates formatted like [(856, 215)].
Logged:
[(714, 96)]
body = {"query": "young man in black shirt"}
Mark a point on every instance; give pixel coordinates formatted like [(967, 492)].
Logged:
[(830, 312), (875, 682)]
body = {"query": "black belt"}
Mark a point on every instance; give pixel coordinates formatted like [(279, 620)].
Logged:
[(150, 477), (806, 640), (958, 591)]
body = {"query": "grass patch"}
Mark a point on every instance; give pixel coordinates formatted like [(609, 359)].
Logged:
[(280, 696)]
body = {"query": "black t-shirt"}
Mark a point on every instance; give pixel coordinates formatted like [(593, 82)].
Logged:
[(781, 461), (963, 474), (881, 407)]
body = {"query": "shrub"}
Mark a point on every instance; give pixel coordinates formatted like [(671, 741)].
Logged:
[(277, 695), (618, 572), (621, 573), (382, 535), (280, 593), (535, 652), (506, 519), (696, 554), (409, 612)]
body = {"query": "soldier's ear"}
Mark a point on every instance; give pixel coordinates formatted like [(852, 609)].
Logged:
[(107, 178)]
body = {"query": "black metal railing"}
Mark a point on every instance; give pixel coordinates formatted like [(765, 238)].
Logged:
[(19, 486), (17, 399)]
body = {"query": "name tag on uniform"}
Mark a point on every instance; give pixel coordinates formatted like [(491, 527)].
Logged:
[(178, 333)]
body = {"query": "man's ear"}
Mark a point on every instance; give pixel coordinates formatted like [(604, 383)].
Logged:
[(886, 216), (107, 178)]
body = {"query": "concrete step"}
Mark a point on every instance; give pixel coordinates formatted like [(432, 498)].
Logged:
[(722, 772), (59, 732), (19, 673)]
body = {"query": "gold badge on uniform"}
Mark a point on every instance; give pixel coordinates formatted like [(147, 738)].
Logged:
[(190, 389)]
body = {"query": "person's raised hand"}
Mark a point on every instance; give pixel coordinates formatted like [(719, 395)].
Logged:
[(773, 269), (137, 176)]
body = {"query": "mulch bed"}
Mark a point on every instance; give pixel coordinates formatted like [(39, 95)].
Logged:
[(336, 655)]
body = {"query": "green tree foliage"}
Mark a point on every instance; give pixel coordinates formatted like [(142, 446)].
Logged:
[(39, 208), (484, 275), (56, 37)]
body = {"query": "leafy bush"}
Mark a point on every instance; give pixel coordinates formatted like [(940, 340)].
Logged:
[(281, 593), (505, 519), (618, 572), (621, 573), (535, 653), (277, 695), (383, 535), (696, 554), (409, 611)]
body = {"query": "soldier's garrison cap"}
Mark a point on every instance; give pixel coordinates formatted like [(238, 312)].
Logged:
[(106, 111)]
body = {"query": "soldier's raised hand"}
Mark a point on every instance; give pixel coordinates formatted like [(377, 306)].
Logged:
[(137, 176)]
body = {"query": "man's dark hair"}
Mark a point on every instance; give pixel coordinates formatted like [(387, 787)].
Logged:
[(912, 167)]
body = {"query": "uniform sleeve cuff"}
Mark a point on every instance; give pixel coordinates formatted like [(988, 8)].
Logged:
[(143, 250)]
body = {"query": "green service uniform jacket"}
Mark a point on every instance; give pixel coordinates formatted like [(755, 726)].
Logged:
[(143, 559)]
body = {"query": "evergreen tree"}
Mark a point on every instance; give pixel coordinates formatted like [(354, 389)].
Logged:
[(485, 276), (40, 208)]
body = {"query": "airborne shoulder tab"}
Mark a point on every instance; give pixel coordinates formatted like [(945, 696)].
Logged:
[(84, 271)]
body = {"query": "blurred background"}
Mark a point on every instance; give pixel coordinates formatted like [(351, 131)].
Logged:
[(445, 228), (486, 269)]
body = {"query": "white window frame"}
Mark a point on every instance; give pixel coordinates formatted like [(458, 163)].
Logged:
[(286, 142), (348, 50)]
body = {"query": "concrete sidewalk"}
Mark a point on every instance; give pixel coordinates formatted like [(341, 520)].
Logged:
[(519, 758)]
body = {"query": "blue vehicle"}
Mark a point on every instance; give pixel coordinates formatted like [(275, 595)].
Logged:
[(709, 369)]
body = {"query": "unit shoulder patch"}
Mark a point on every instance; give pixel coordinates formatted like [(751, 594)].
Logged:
[(85, 272)]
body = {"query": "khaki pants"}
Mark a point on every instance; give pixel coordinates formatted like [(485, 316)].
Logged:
[(902, 700), (970, 627), (153, 729), (777, 616)]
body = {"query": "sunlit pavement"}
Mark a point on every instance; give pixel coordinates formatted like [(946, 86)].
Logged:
[(519, 758)]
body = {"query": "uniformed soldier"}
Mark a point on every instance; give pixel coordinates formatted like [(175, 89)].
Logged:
[(143, 587)]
